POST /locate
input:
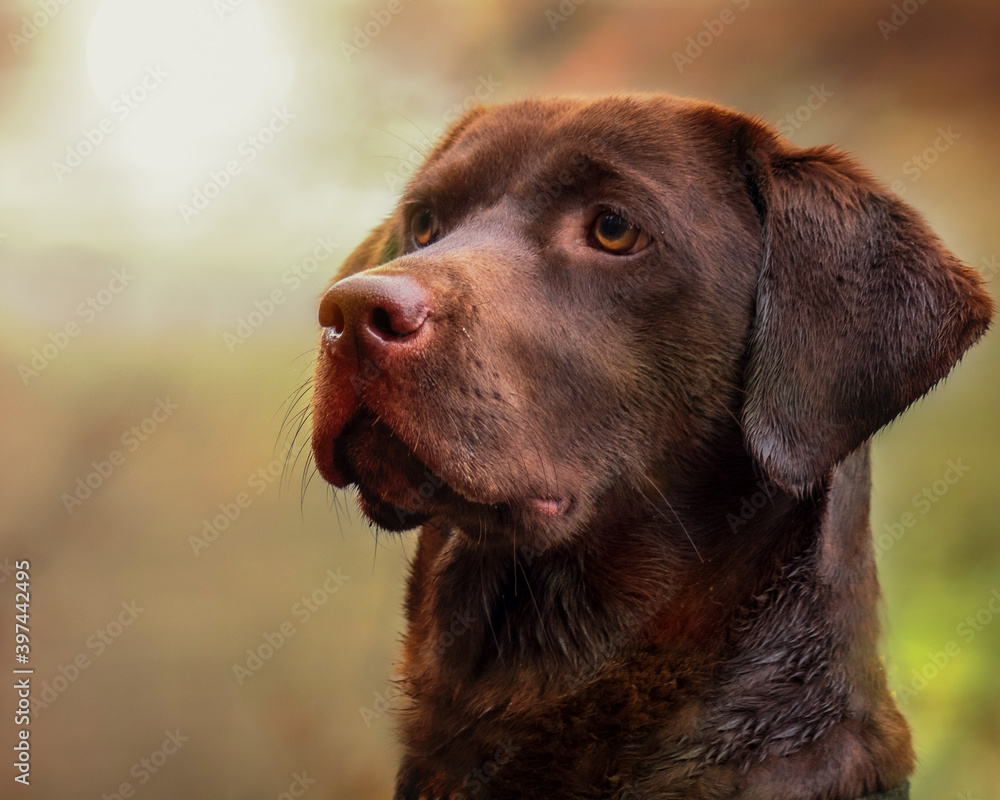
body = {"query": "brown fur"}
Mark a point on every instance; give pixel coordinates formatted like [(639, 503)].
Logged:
[(645, 568)]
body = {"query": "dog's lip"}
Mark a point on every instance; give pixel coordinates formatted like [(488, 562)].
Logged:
[(336, 468), (340, 475), (337, 475)]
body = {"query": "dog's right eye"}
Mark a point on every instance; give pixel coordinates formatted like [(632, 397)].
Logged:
[(423, 226), (614, 234)]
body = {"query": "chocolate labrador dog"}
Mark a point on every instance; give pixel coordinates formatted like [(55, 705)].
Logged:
[(621, 359)]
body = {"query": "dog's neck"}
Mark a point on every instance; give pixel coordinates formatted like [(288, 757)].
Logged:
[(697, 671)]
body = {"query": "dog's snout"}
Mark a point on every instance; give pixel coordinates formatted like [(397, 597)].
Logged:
[(377, 310)]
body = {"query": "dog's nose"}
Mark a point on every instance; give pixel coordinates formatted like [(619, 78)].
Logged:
[(378, 311)]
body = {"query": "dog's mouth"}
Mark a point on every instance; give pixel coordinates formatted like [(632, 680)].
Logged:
[(398, 490)]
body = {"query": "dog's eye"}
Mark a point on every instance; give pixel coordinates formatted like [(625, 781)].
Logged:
[(423, 227), (614, 233)]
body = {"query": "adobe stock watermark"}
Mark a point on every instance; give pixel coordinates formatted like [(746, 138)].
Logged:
[(298, 787), (257, 482), (901, 14), (915, 166), (35, 23), (121, 108), (293, 278), (223, 8), (368, 371), (990, 265), (750, 505), (791, 122), (147, 766), (550, 192), (102, 470), (303, 611), (86, 312), (923, 501), (247, 151), (477, 780), (485, 87), (98, 643), (6, 570), (597, 660), (418, 497), (366, 33), (558, 15), (460, 624), (710, 31), (939, 660)]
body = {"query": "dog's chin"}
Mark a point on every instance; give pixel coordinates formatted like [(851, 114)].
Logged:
[(397, 491), (386, 515)]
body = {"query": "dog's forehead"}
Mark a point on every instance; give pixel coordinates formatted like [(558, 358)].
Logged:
[(611, 121), (497, 144)]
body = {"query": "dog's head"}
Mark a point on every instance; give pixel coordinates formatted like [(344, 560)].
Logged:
[(582, 299)]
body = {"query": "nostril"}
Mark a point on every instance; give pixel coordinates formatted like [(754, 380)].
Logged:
[(331, 315), (337, 323), (397, 321), (381, 323)]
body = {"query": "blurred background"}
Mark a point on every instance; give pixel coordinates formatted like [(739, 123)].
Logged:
[(178, 181)]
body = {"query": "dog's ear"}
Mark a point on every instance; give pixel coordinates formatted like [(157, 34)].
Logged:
[(860, 311)]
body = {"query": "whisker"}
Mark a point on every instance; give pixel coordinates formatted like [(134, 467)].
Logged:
[(672, 511), (426, 142), (538, 610), (485, 597)]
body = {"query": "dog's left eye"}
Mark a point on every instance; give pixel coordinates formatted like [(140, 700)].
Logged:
[(615, 234), (423, 226)]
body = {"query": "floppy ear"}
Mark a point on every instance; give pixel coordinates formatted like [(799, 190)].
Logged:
[(860, 311)]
